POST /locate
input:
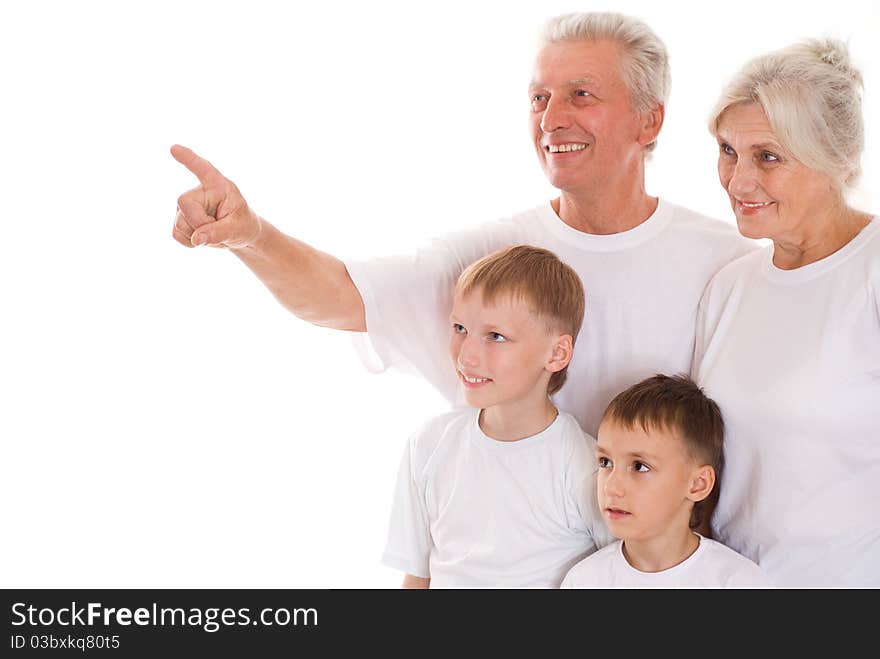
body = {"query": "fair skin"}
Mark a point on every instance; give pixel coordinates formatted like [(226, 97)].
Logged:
[(773, 195), (504, 355), (648, 484), (577, 97)]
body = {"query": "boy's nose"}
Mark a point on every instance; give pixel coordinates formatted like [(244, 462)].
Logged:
[(613, 485)]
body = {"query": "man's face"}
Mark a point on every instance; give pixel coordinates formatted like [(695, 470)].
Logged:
[(582, 121)]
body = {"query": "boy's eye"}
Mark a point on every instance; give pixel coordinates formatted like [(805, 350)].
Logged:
[(458, 329), (604, 463), (641, 467), (495, 337)]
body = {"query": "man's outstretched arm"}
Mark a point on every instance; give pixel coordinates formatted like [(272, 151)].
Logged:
[(311, 284)]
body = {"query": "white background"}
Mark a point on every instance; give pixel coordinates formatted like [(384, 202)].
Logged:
[(163, 422)]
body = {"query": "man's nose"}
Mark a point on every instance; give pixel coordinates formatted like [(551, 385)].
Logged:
[(556, 115)]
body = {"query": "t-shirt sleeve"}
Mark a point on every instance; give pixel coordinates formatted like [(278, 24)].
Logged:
[(407, 300), (409, 543)]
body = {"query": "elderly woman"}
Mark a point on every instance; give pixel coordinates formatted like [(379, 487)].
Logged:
[(788, 337)]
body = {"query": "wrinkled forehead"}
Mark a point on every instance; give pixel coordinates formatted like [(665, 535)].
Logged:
[(576, 62)]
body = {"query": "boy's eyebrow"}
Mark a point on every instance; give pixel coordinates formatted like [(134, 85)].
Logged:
[(630, 454)]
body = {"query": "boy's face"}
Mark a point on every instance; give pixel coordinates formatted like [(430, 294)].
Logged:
[(647, 482), (502, 353)]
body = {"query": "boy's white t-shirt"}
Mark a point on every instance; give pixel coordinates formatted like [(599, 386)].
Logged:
[(792, 357), (643, 287), (712, 565), (471, 511)]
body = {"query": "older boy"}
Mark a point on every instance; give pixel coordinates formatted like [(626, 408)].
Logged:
[(501, 494), (660, 457)]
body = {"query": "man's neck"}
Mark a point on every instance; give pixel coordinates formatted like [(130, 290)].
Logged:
[(607, 213)]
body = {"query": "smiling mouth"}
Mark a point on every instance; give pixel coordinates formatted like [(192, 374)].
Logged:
[(472, 380), (753, 206), (565, 148)]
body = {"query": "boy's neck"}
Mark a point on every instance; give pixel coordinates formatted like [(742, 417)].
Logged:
[(509, 422), (661, 553)]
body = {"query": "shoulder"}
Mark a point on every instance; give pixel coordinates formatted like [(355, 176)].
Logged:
[(724, 237), (591, 569), (574, 439), (438, 431), (735, 570), (738, 269)]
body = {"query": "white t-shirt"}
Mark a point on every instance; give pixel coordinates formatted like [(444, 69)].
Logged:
[(643, 287), (471, 511), (712, 565), (793, 359)]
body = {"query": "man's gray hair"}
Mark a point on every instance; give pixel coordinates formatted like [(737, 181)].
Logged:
[(645, 61)]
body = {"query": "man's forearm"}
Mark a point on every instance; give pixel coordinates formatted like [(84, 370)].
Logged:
[(311, 284)]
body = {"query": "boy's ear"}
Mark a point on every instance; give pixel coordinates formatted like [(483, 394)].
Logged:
[(561, 354), (702, 482)]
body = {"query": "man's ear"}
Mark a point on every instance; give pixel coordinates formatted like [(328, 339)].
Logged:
[(702, 482), (652, 122), (561, 354)]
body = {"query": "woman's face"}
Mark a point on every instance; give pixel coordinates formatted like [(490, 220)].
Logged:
[(772, 194)]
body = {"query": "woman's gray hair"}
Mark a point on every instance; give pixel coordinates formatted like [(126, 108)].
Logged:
[(811, 94), (645, 61)]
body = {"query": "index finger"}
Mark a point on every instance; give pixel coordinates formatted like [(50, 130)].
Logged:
[(204, 170)]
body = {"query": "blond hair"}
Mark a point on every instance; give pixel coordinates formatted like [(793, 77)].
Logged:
[(810, 93), (644, 63), (537, 277)]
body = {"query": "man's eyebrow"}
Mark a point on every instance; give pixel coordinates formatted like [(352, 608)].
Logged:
[(586, 80)]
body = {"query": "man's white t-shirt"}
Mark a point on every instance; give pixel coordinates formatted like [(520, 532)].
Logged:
[(643, 287), (471, 511), (792, 357), (712, 565)]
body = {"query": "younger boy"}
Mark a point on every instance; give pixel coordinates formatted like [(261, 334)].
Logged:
[(502, 494), (660, 458)]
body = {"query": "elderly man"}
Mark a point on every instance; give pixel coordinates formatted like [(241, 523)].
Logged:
[(597, 99)]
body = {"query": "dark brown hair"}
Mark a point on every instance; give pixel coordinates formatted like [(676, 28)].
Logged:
[(676, 404)]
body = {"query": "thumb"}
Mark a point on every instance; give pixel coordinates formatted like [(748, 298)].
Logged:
[(222, 233)]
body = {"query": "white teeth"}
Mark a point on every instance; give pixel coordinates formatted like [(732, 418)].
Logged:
[(474, 380), (565, 148), (757, 205)]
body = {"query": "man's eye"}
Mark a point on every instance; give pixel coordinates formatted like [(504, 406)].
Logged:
[(495, 337), (539, 102), (641, 467), (582, 92)]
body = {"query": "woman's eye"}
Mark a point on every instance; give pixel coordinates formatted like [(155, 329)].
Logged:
[(766, 156), (726, 149), (641, 467)]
